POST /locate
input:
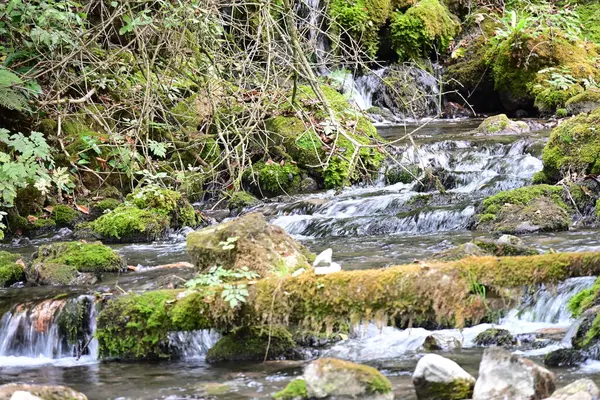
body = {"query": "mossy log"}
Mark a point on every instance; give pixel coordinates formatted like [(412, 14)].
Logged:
[(453, 294)]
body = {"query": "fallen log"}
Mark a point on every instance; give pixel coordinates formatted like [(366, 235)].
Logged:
[(433, 295)]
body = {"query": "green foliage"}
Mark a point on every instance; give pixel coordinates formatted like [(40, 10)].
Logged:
[(233, 294), (360, 20), (426, 26), (13, 93)]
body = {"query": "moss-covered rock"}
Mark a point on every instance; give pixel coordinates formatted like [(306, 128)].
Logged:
[(64, 215), (278, 178), (240, 200), (295, 390), (495, 337), (10, 270), (402, 174), (252, 344), (62, 263), (563, 358), (165, 201), (574, 147), (537, 208), (129, 224), (501, 125), (106, 205), (330, 377), (584, 102), (250, 242)]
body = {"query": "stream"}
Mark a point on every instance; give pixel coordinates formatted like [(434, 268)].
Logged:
[(368, 226)]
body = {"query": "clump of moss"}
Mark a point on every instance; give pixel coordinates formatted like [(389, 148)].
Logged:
[(402, 174), (64, 215), (10, 271), (130, 224), (496, 337), (532, 208), (501, 124), (295, 390), (574, 147), (584, 102), (252, 344), (165, 201), (422, 27), (589, 14), (240, 200), (107, 205), (277, 179)]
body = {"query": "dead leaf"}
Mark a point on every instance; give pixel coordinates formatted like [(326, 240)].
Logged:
[(282, 163), (82, 209), (32, 219), (49, 208), (269, 162)]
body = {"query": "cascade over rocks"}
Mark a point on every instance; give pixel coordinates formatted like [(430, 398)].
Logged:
[(436, 377), (41, 391), (503, 375), (248, 241)]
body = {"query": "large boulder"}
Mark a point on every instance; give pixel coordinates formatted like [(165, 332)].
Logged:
[(66, 263), (249, 242), (436, 377), (501, 125), (503, 375), (564, 358), (344, 380), (537, 208), (43, 392), (584, 102), (582, 389)]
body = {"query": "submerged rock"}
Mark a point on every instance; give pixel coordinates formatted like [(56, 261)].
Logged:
[(495, 337), (250, 242), (67, 263), (436, 377), (253, 344), (342, 379), (581, 389), (501, 125), (41, 391), (503, 375), (537, 208)]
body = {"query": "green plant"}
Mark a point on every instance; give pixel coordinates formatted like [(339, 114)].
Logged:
[(232, 293), (235, 294)]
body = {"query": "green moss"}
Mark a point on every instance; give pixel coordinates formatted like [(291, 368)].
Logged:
[(300, 142), (360, 20), (252, 344), (72, 320), (277, 179), (295, 390), (135, 326), (165, 201), (573, 147), (597, 208), (240, 200), (494, 124), (522, 196), (107, 205), (10, 271), (373, 380), (84, 257), (458, 389), (586, 101), (127, 223), (589, 14), (562, 113), (64, 215), (425, 25), (494, 336), (42, 223)]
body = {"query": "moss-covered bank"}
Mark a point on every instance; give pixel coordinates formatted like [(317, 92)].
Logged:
[(431, 295), (10, 270), (255, 343)]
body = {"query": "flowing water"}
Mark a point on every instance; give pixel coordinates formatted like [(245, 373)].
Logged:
[(367, 226)]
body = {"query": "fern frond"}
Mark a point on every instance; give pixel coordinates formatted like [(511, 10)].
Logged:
[(12, 94)]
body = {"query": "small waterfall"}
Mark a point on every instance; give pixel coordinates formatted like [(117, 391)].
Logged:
[(50, 329), (364, 87), (192, 344), (549, 305)]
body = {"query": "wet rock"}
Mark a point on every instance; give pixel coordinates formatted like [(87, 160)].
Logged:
[(436, 377), (344, 380), (249, 242), (308, 184), (506, 245), (21, 395), (584, 102), (437, 341), (71, 263), (459, 252), (253, 344), (495, 337), (503, 375), (454, 110), (564, 358), (501, 125), (555, 334), (11, 268), (216, 215), (240, 200), (581, 389), (42, 391)]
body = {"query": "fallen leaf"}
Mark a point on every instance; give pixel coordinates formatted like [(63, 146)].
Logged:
[(282, 163), (82, 209), (49, 208), (32, 219)]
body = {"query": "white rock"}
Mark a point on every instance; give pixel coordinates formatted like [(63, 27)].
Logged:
[(324, 258), (333, 267), (435, 374), (22, 395), (582, 389), (298, 272), (503, 375)]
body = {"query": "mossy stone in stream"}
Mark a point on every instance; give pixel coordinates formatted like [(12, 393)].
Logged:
[(10, 271), (252, 344), (584, 102), (60, 263), (495, 337), (130, 224), (278, 178), (169, 202), (240, 200), (64, 215), (107, 205), (537, 208), (501, 125), (295, 390)]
